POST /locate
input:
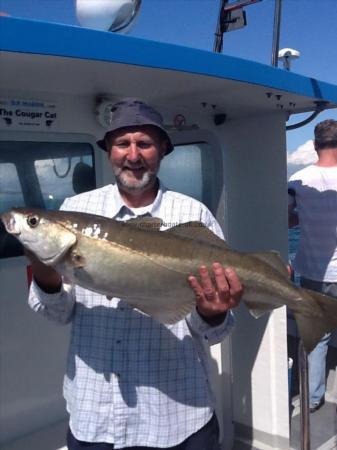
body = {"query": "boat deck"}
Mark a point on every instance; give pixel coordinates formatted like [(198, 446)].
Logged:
[(323, 423), (323, 427)]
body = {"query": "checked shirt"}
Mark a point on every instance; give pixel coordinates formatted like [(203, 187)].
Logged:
[(130, 380)]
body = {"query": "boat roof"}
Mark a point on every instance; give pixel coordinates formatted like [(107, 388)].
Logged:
[(57, 58)]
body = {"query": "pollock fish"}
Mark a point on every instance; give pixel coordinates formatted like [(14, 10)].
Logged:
[(149, 268)]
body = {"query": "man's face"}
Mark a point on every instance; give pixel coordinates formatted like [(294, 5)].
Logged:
[(135, 155)]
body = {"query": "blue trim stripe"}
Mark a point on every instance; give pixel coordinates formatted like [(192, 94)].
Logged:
[(28, 36)]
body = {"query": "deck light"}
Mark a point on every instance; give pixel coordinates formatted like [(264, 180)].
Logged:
[(108, 15)]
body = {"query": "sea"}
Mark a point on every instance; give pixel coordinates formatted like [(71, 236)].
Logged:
[(293, 239)]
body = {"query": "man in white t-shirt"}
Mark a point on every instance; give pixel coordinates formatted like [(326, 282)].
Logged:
[(313, 206)]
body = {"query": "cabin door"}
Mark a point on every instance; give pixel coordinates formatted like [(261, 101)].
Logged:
[(37, 170)]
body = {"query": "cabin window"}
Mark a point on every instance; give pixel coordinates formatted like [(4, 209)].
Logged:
[(194, 169), (42, 175), (64, 177), (9, 181), (181, 170)]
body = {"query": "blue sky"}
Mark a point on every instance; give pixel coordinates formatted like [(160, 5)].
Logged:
[(307, 25)]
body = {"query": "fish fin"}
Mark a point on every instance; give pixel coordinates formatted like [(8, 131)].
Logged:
[(257, 310), (313, 328), (179, 308), (257, 305), (146, 223), (199, 232), (172, 317), (310, 331), (272, 258)]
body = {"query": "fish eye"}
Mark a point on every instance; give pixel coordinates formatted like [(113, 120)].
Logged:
[(33, 221)]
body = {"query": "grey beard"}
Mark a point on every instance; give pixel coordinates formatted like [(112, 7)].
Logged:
[(123, 180)]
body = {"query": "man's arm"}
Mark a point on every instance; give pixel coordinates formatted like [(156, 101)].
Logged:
[(292, 218), (46, 277), (292, 213), (214, 299), (212, 319), (48, 295)]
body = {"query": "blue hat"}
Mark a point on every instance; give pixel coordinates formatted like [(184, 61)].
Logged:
[(131, 112)]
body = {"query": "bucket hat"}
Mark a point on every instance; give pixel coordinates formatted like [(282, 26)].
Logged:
[(131, 112)]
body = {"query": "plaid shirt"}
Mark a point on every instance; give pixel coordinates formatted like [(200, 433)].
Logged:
[(130, 380)]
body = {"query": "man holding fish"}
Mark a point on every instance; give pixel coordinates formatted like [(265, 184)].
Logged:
[(132, 382)]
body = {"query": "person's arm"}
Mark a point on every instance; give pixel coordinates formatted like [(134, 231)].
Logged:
[(215, 299), (45, 277), (292, 218), (49, 294), (212, 318), (292, 213)]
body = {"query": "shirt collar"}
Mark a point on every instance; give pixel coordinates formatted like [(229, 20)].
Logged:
[(118, 204)]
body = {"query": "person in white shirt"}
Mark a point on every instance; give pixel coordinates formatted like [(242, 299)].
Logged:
[(132, 382), (313, 206)]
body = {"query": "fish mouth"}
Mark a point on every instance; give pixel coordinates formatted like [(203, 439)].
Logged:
[(51, 260), (10, 223)]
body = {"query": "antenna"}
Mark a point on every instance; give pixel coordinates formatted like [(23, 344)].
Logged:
[(108, 15), (231, 17), (276, 32), (287, 55)]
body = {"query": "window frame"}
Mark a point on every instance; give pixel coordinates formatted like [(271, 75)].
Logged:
[(14, 248)]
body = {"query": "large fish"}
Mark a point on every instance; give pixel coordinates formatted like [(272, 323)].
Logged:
[(149, 268)]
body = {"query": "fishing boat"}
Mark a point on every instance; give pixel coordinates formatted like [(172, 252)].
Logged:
[(227, 118)]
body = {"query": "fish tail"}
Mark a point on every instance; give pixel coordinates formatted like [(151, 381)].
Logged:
[(323, 319)]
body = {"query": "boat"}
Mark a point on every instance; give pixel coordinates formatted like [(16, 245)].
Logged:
[(227, 119)]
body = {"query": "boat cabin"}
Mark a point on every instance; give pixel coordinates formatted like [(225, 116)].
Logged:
[(227, 118)]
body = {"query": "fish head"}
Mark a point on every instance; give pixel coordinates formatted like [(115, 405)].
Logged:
[(39, 233)]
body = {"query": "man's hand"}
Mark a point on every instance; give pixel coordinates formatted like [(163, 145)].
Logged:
[(214, 299)]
